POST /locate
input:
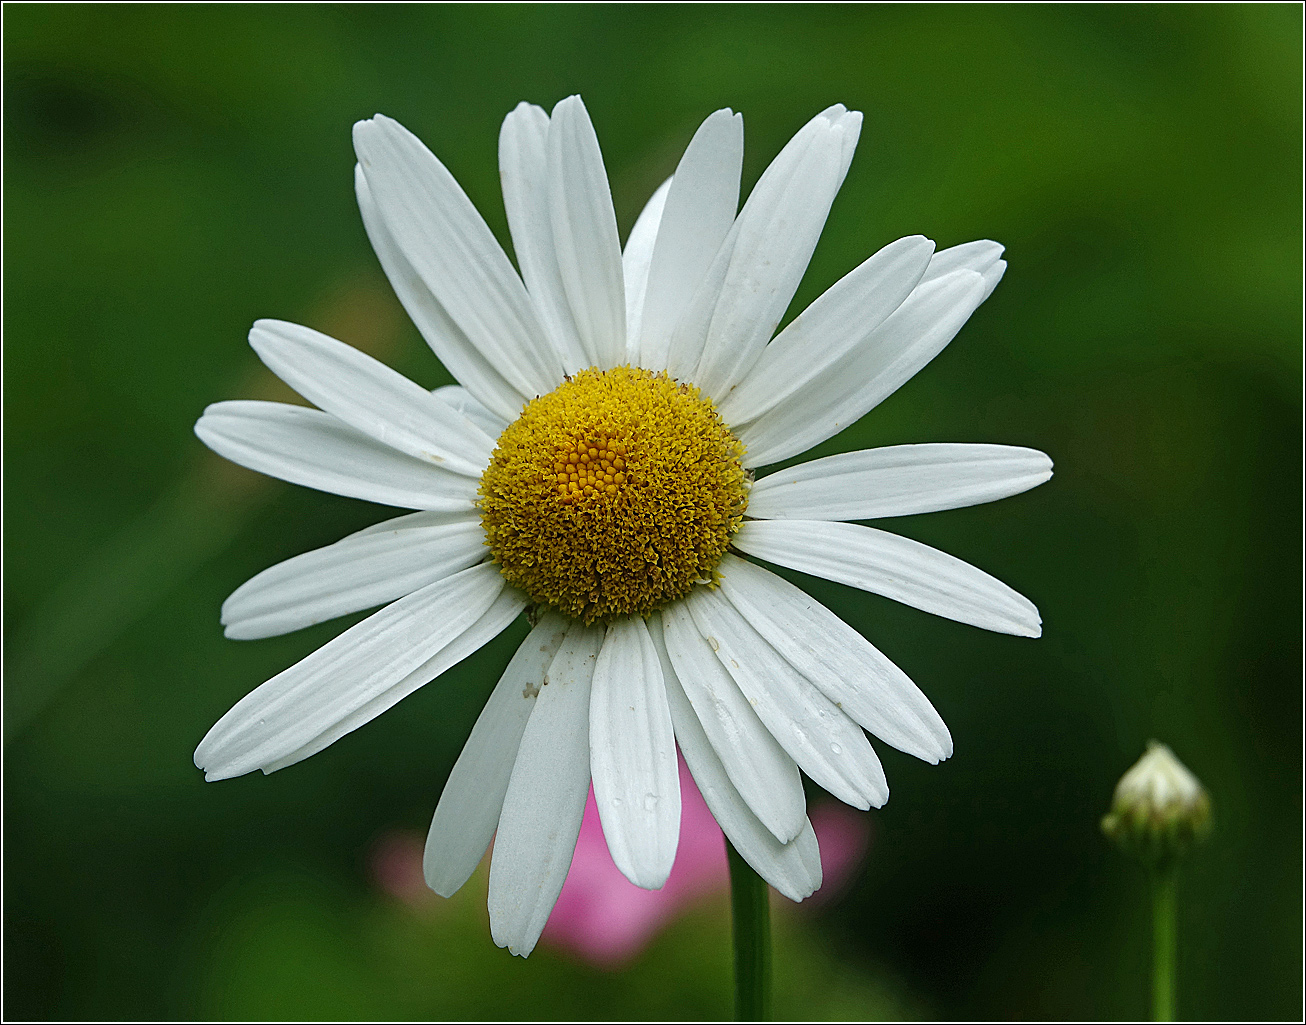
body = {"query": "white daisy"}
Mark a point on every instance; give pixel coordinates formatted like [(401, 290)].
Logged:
[(594, 467)]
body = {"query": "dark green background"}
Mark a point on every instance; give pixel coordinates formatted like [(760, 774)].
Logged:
[(172, 174)]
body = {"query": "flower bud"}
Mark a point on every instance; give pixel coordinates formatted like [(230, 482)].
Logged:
[(1159, 810)]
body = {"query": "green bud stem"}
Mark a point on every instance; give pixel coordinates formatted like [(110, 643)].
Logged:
[(1165, 880)]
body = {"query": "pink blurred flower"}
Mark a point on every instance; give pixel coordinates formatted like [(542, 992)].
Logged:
[(395, 864), (603, 918), (606, 920)]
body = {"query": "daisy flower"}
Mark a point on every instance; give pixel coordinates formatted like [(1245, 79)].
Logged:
[(595, 469)]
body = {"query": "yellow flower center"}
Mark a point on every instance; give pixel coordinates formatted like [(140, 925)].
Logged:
[(613, 494)]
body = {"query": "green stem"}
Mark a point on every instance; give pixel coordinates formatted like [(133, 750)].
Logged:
[(751, 910), (1164, 914)]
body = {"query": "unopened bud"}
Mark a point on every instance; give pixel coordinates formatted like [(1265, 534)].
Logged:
[(1159, 810)]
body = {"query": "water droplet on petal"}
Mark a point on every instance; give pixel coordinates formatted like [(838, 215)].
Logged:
[(650, 801), (836, 749), (616, 802)]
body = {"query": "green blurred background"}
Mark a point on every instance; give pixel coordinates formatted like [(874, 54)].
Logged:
[(173, 173)]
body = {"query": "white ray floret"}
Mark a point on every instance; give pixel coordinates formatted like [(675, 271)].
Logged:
[(372, 398), (901, 480), (793, 868), (765, 777), (633, 755), (358, 572), (699, 210), (315, 449), (310, 697), (825, 743), (545, 799), (472, 800), (452, 250), (896, 567)]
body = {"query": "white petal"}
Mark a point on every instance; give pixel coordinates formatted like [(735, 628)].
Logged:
[(312, 448), (412, 521), (545, 800), (453, 251), (370, 397), (345, 674), (825, 743), (900, 480), (774, 238), (635, 261), (767, 779), (687, 340), (471, 407), (896, 567), (497, 618), (991, 278), (698, 319), (447, 340), (841, 662), (981, 257), (793, 868), (844, 392), (352, 574), (830, 328), (524, 173), (700, 209), (585, 234), (978, 256), (851, 122), (468, 812), (633, 756)]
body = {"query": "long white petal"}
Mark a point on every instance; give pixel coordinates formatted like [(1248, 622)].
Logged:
[(352, 574), (851, 123), (900, 480), (700, 209), (774, 239), (896, 567), (766, 778), (497, 618), (991, 278), (585, 234), (847, 668), (635, 261), (978, 256), (468, 812), (318, 692), (817, 145), (471, 407), (793, 868), (452, 249), (841, 394), (830, 328), (413, 521), (633, 756), (545, 800), (447, 340), (524, 173), (370, 397), (312, 448), (825, 743)]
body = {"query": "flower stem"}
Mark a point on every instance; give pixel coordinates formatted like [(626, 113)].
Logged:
[(751, 911), (1164, 912)]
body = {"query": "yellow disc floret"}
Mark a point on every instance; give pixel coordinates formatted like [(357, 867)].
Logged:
[(613, 494)]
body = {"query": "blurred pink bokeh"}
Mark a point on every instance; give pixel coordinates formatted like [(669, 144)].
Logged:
[(606, 919), (603, 918)]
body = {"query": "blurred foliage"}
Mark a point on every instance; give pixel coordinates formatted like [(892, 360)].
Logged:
[(174, 172)]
